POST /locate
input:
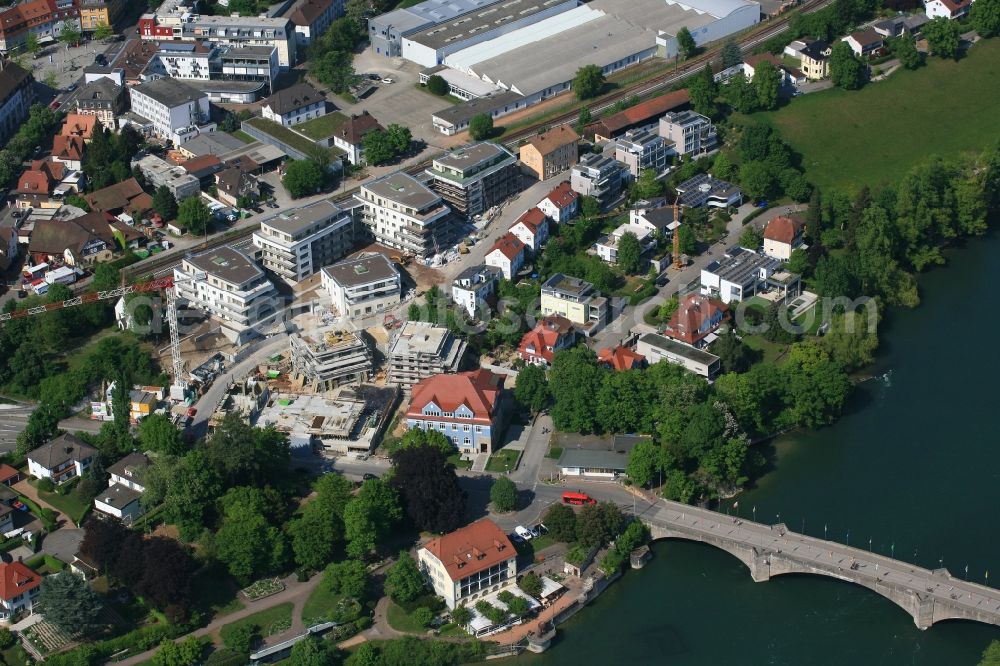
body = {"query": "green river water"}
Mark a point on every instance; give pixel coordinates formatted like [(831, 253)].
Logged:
[(914, 465)]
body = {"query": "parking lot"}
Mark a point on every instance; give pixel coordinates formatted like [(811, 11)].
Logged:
[(399, 102)]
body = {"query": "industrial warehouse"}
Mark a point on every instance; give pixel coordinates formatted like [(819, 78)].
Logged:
[(506, 56)]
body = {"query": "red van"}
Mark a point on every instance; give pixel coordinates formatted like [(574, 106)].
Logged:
[(569, 497)]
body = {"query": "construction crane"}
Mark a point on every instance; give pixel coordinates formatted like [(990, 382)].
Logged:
[(677, 236), (165, 284)]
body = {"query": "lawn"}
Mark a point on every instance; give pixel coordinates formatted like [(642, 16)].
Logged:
[(69, 504), (46, 564), (456, 460), (321, 600), (849, 139), (773, 352), (271, 621), (400, 620), (287, 136), (322, 127), (503, 460), (554, 452), (451, 99), (243, 136)]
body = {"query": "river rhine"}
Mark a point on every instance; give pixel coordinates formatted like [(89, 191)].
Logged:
[(914, 464)]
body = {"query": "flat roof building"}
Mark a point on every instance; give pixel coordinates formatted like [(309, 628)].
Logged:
[(575, 300), (598, 176), (362, 286), (386, 31), (706, 190), (296, 243), (159, 172), (420, 350), (657, 348), (476, 177), (328, 358), (403, 213)]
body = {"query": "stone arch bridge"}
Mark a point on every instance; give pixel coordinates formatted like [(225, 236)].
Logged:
[(929, 596)]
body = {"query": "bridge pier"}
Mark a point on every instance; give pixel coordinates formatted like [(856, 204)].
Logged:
[(923, 614), (760, 566)]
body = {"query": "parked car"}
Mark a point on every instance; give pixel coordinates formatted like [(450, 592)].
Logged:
[(55, 105), (541, 528), (192, 411), (662, 280), (167, 245), (515, 538), (374, 77), (523, 532), (273, 204), (368, 476), (388, 80), (71, 87), (534, 532)]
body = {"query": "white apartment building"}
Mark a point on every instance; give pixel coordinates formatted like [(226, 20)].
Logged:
[(643, 149), (296, 243), (228, 286), (469, 563), (691, 133), (362, 286), (473, 286), (294, 105), (177, 20), (403, 213), (121, 498), (176, 110)]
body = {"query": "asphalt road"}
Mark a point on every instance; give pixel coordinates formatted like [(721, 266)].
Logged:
[(13, 419)]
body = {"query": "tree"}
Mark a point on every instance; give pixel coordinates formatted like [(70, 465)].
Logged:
[(70, 34), (369, 516), (69, 603), (246, 542), (723, 167), (461, 616), (630, 254), (158, 433), (757, 180), (846, 70), (437, 85), (481, 126), (403, 581), (399, 138), (103, 31), (561, 521), (164, 203), (647, 185), (194, 487), (584, 118), (316, 534), (645, 461), (348, 578), (751, 238), (588, 82), (184, 653), (194, 215), (985, 18), (686, 46), (531, 584), (428, 488), (733, 353), (944, 37), (991, 655), (303, 178), (530, 389), (503, 494), (703, 91), (415, 437), (423, 616), (766, 83), (246, 456), (731, 53), (904, 47), (741, 94), (312, 651), (31, 44), (597, 524), (240, 637), (574, 381), (366, 654), (378, 148)]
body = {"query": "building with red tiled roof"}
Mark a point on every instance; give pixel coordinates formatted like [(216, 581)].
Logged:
[(126, 196), (18, 588), (695, 318), (68, 150), (81, 125), (465, 407), (781, 236), (561, 204), (550, 334), (42, 18), (9, 475), (620, 358), (531, 228), (507, 254), (470, 562), (35, 185), (642, 114), (550, 153)]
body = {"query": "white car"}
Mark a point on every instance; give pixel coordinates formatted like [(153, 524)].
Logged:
[(388, 80), (523, 532)]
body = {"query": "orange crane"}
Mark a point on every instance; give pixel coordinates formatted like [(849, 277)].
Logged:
[(165, 284)]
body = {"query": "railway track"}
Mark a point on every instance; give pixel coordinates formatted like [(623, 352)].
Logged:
[(666, 79), (163, 263)]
